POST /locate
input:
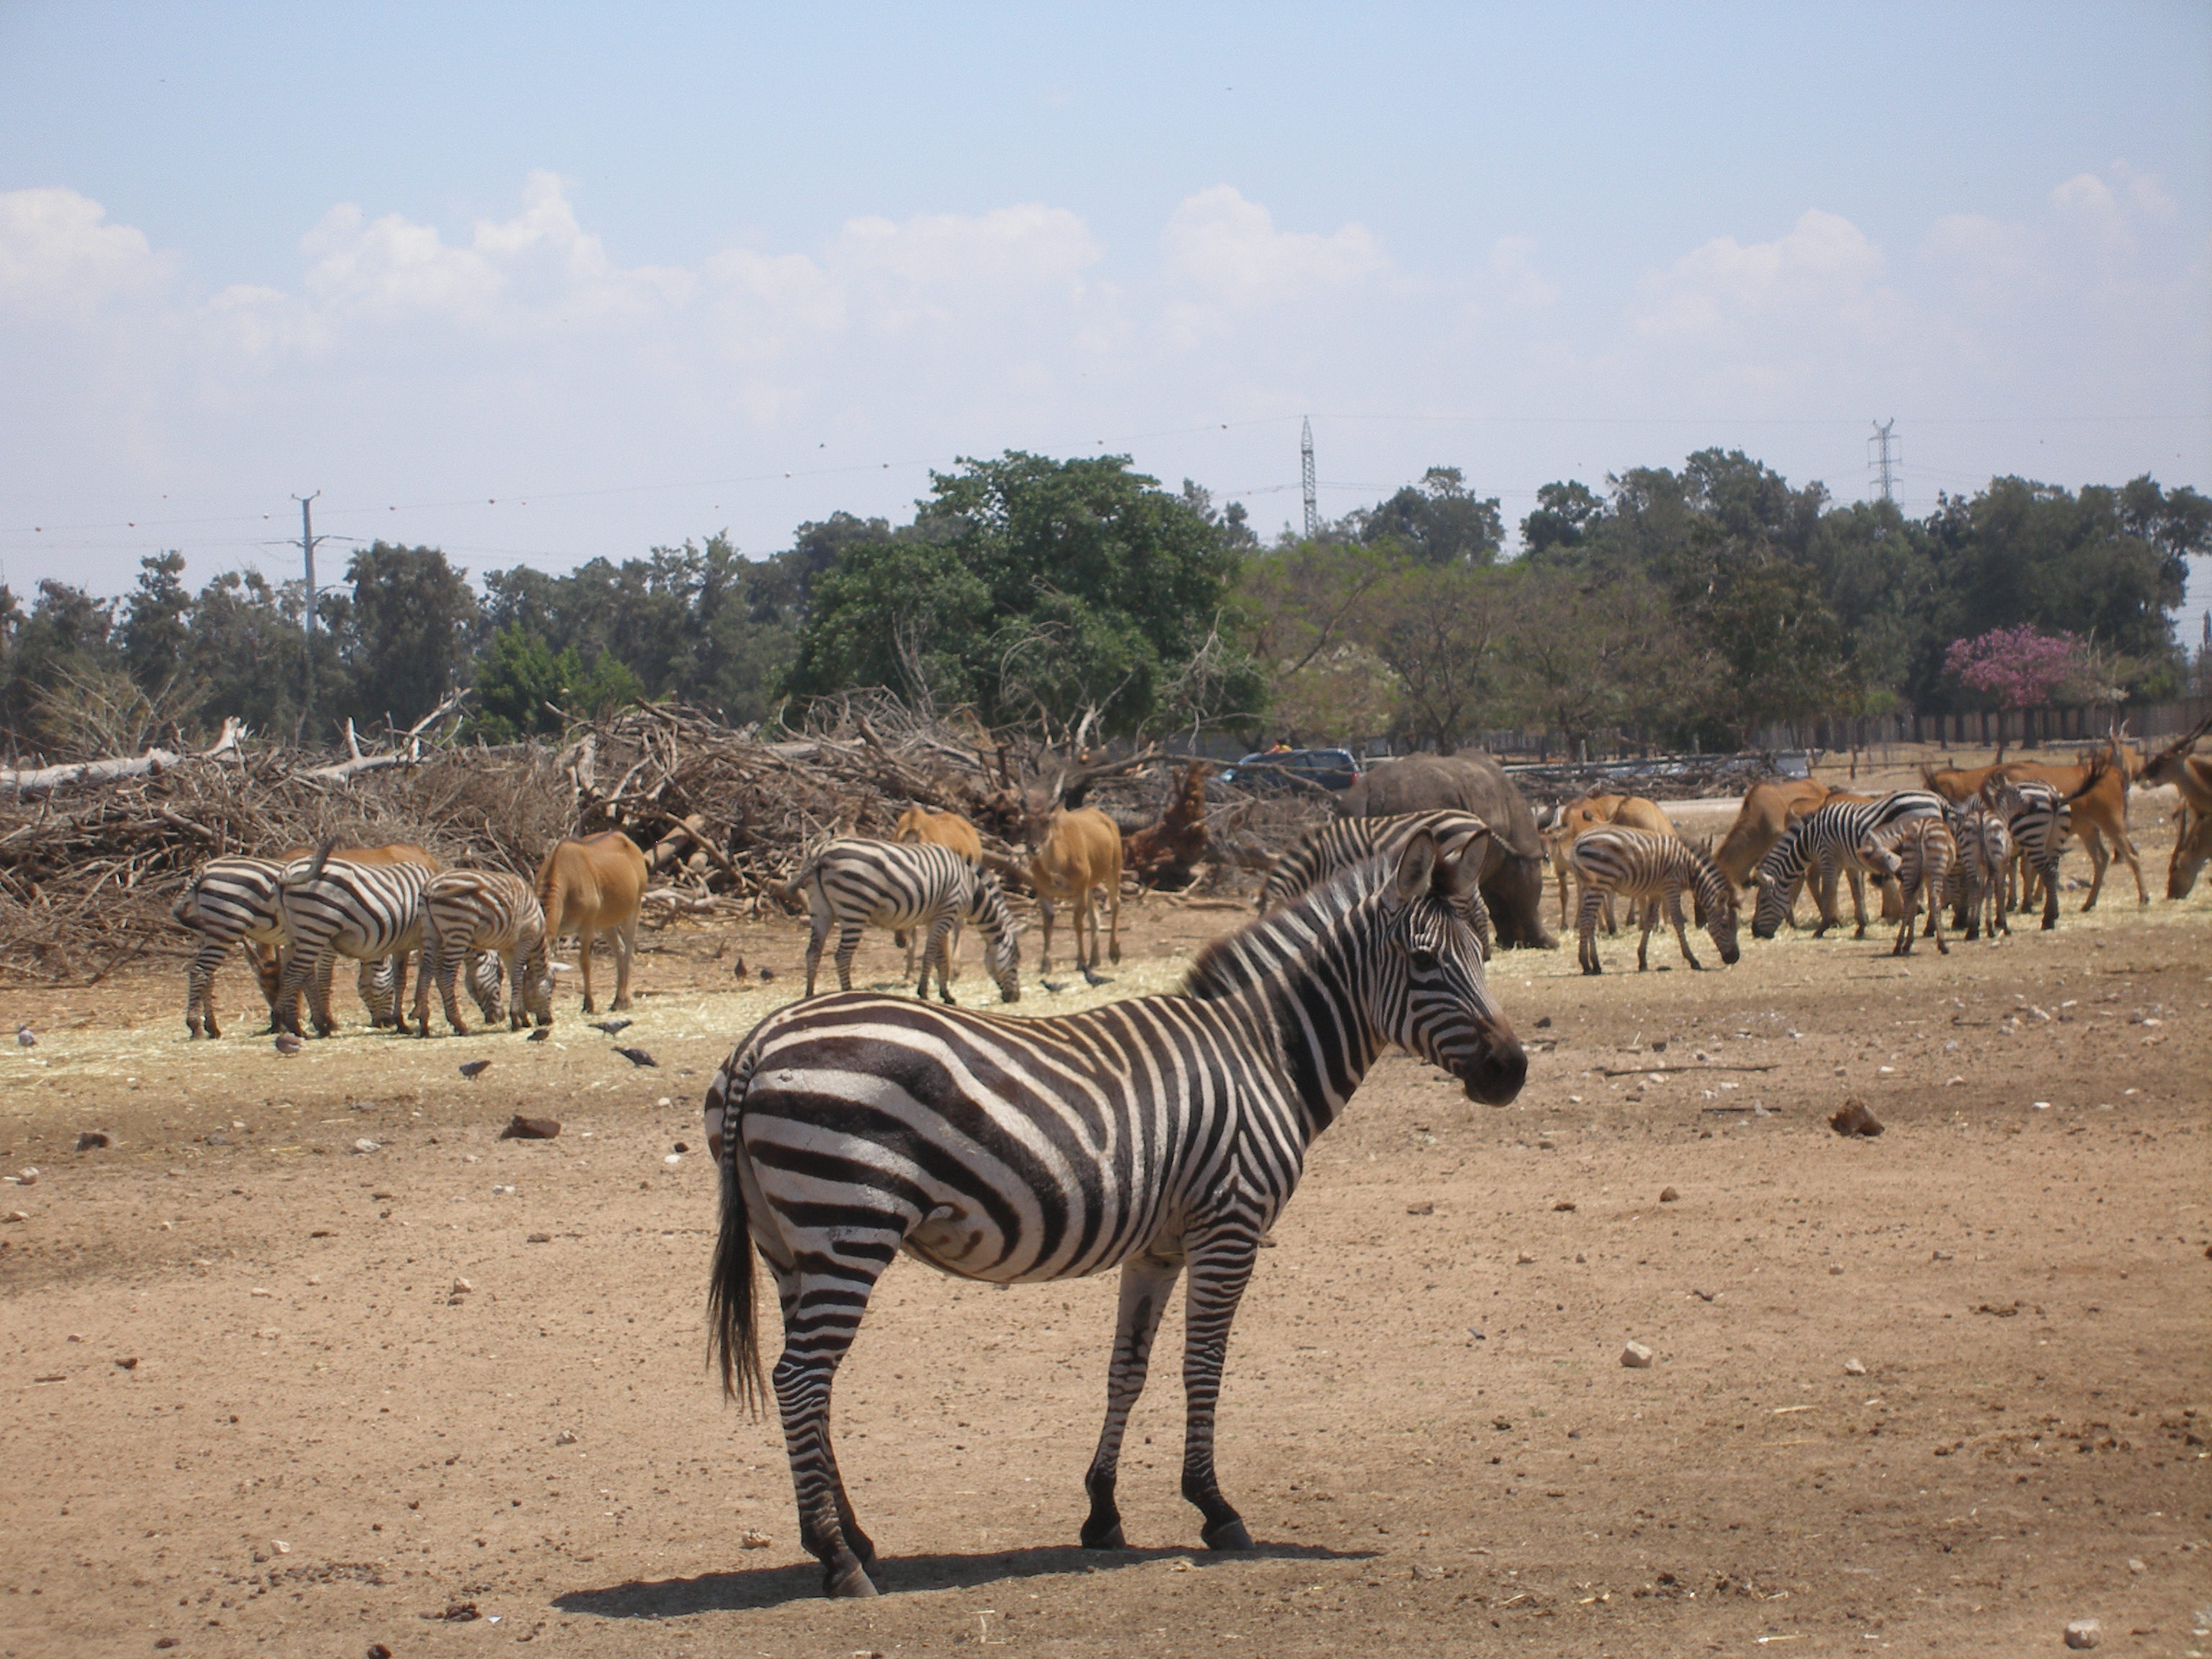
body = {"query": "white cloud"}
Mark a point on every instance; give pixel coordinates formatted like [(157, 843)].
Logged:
[(61, 259), (1229, 247), (1824, 269)]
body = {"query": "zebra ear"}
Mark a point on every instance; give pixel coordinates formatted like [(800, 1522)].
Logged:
[(1459, 867), (1415, 865)]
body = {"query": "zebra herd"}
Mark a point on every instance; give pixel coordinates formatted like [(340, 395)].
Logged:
[(295, 918)]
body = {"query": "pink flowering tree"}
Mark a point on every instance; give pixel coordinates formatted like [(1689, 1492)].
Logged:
[(2018, 667)]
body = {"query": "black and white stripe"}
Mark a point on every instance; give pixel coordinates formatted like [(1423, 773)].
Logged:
[(230, 902), (1324, 851), (468, 911), (1832, 837), (1638, 864), (1156, 1133), (852, 885), (2037, 819), (1985, 852), (1921, 855), (333, 908)]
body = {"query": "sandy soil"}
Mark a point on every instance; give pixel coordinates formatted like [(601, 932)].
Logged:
[(250, 1409)]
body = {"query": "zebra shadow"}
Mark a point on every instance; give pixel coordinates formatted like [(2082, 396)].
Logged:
[(769, 1587)]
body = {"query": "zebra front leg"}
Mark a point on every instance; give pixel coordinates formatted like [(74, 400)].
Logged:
[(1649, 918), (1681, 933), (1220, 1268), (1146, 1282), (2049, 876)]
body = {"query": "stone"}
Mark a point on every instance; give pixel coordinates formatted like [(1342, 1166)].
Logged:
[(1565, 1204), (90, 1141), (566, 1437), (531, 1129), (1636, 1357), (2083, 1633), (1854, 1368), (26, 1178), (539, 1238), (1524, 1260), (751, 1539), (462, 1287), (1669, 1195), (365, 1145), (1854, 1119), (1425, 1208)]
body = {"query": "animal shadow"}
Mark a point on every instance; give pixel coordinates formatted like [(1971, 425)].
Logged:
[(769, 1587)]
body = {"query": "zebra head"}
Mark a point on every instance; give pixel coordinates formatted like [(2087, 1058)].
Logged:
[(1715, 898), (1777, 879), (1002, 947), (1428, 992)]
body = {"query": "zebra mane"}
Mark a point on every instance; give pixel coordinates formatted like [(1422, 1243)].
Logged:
[(1261, 949)]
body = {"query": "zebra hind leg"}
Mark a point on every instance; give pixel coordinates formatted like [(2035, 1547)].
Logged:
[(1220, 1268), (822, 1311), (1146, 1282), (1586, 950)]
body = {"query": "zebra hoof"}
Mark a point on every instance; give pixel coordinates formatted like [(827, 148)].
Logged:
[(1229, 1536), (852, 1581), (1109, 1538)]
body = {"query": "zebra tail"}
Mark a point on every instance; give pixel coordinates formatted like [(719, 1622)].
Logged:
[(322, 857), (732, 1326)]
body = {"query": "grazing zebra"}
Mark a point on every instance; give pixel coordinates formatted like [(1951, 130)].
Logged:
[(1639, 865), (2036, 816), (230, 900), (235, 900), (333, 908), (857, 883), (1830, 835), (1921, 855), (1343, 842), (1157, 1133), (465, 911)]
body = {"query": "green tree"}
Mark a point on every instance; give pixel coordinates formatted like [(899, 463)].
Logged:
[(156, 626), (1563, 512), (249, 652), (1440, 630), (1438, 521), (412, 619), (1028, 586)]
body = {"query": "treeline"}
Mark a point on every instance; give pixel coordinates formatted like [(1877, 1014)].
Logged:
[(1676, 606)]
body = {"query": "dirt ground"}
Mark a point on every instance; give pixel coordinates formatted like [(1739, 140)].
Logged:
[(1937, 1392)]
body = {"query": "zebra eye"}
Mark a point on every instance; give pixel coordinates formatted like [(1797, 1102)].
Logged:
[(1423, 959)]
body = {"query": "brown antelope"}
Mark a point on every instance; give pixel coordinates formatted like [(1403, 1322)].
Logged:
[(2096, 795), (1076, 852), (592, 886), (2191, 777)]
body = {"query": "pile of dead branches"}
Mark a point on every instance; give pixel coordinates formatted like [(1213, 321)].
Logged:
[(92, 857), (1668, 777)]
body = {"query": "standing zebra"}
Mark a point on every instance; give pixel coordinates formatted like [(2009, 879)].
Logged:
[(1638, 864), (1831, 836), (235, 900), (1985, 845), (2036, 816), (1156, 1134), (1920, 854), (916, 885), (470, 910), (230, 900), (333, 908), (1343, 842)]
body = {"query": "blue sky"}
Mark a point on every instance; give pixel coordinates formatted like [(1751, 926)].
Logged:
[(657, 271)]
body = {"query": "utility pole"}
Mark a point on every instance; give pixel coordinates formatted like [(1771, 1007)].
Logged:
[(1887, 463), (307, 540), (1306, 476)]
